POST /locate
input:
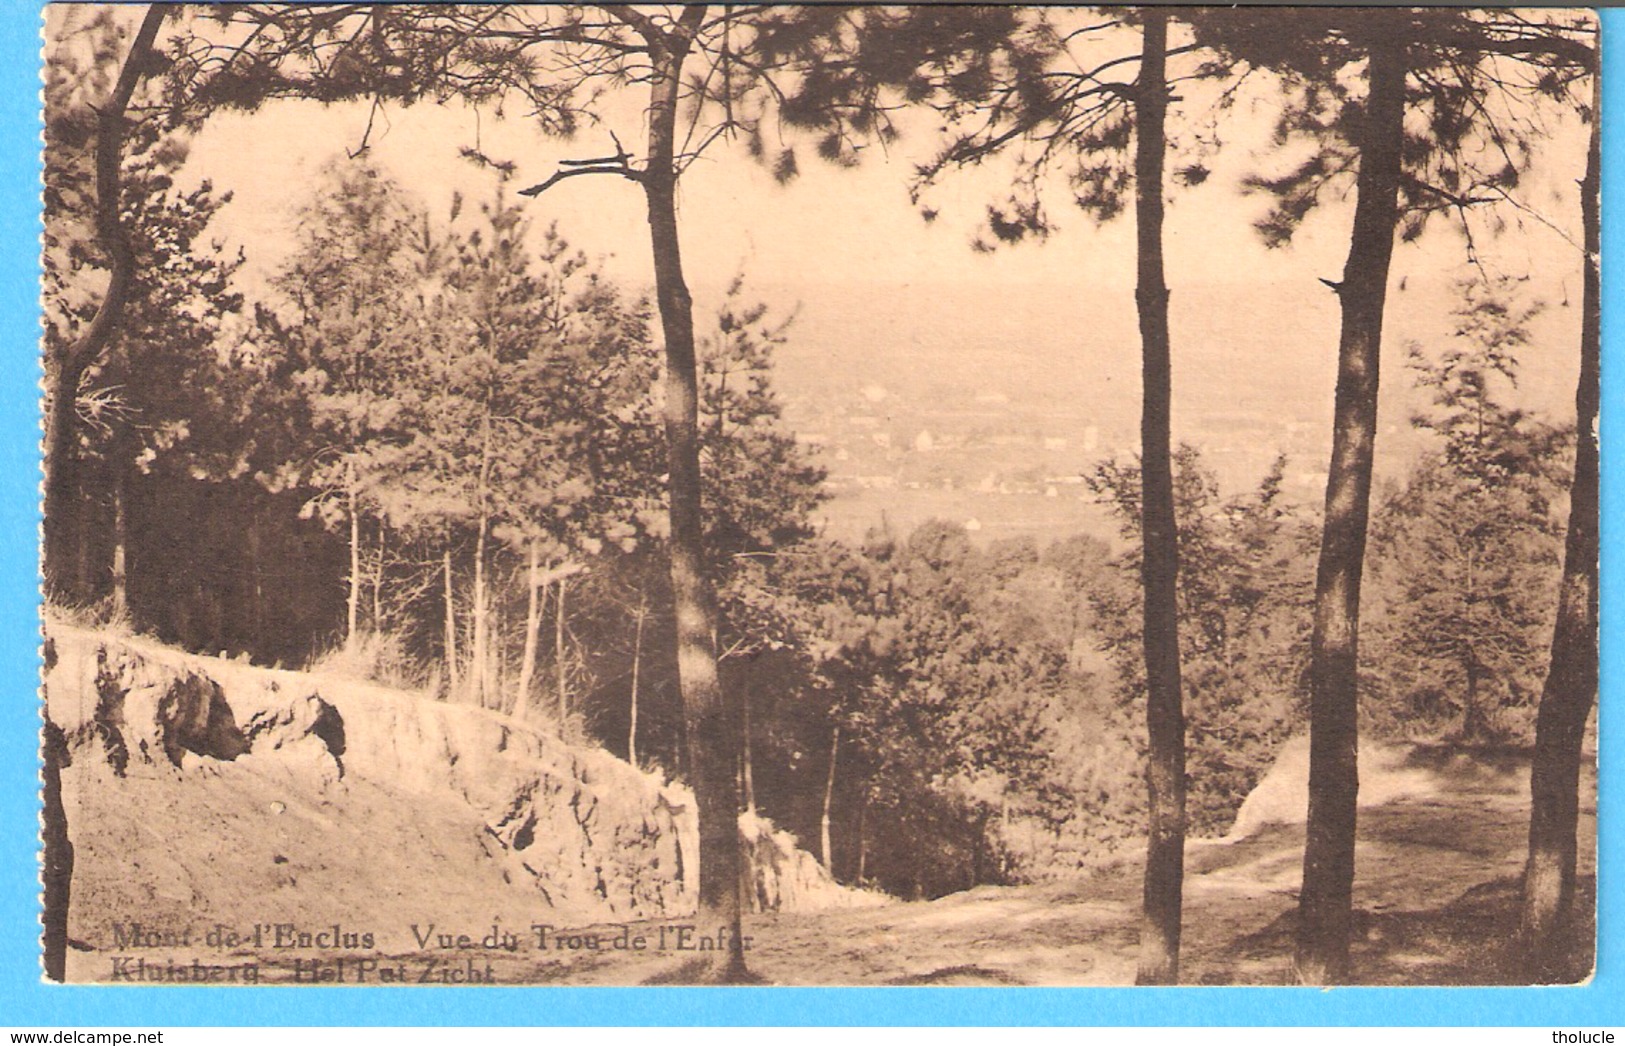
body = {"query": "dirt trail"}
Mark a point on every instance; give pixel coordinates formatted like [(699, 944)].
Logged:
[(1436, 900), (395, 871)]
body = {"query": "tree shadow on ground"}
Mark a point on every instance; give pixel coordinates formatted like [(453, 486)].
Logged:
[(1469, 941)]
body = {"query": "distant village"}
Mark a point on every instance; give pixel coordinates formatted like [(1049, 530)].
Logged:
[(995, 458)]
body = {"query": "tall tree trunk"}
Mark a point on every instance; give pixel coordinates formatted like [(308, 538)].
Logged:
[(533, 626), (61, 522), (451, 632), (1571, 680), (829, 799), (710, 732), (637, 659), (56, 853), (352, 614), (558, 655), (1324, 905), (1159, 571)]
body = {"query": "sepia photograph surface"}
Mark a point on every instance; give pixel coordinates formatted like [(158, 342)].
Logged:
[(819, 495)]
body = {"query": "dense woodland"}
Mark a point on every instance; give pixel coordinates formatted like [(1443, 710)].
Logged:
[(440, 450)]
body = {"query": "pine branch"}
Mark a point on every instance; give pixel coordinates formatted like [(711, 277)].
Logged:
[(619, 164)]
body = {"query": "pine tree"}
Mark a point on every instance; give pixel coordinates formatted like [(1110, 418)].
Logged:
[(1005, 82), (346, 286), (1440, 66), (1467, 545), (87, 142)]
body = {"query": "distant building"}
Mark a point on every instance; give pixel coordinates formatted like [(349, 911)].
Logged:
[(924, 443)]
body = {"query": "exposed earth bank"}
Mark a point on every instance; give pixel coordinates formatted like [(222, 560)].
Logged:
[(225, 812), (232, 823)]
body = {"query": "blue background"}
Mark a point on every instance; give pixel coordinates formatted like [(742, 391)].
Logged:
[(26, 1001)]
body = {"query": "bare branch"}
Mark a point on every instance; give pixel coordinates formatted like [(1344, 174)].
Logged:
[(559, 176), (366, 135)]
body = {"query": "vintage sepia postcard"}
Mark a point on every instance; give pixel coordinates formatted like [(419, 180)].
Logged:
[(819, 495)]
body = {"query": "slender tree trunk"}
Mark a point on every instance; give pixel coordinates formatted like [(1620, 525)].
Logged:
[(559, 666), (829, 799), (61, 530), (378, 581), (710, 731), (83, 582), (56, 855), (1004, 833), (533, 626), (1164, 713), (746, 778), (498, 677), (1324, 905), (978, 848), (1571, 681), (256, 565), (637, 659), (863, 838), (121, 540), (451, 631), (1472, 716), (352, 615), (480, 652), (466, 645)]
